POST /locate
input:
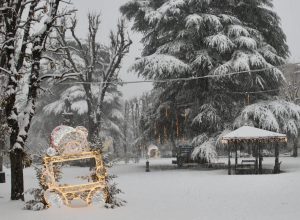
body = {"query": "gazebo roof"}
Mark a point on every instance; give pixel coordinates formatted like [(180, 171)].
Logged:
[(252, 133)]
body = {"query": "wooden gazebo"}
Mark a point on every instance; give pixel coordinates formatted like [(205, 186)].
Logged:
[(257, 139)]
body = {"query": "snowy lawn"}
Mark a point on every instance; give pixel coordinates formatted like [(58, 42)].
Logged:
[(167, 193)]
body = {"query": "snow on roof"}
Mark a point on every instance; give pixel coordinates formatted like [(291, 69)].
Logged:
[(247, 132)]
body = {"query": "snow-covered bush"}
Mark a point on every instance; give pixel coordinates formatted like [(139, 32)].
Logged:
[(113, 190), (112, 187), (206, 151), (205, 148), (37, 202)]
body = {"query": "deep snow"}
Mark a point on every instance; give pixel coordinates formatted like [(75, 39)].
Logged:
[(167, 193)]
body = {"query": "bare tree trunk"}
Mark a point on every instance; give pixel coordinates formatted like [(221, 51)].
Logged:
[(125, 128), (92, 128), (115, 149), (105, 69), (1, 163), (19, 134), (16, 155), (17, 188), (2, 145), (173, 125)]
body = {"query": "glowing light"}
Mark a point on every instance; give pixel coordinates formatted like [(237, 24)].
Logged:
[(70, 144), (224, 141), (66, 193)]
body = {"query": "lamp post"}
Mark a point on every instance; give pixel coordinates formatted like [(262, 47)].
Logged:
[(147, 164), (67, 114)]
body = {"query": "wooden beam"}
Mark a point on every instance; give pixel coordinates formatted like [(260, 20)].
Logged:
[(260, 158), (236, 158), (256, 158), (276, 167), (229, 163)]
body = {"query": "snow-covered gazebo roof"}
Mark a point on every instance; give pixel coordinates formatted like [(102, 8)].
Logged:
[(247, 133)]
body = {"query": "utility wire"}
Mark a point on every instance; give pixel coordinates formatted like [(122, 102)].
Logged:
[(189, 79), (255, 92)]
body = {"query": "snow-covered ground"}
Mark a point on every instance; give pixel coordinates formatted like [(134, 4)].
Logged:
[(167, 193)]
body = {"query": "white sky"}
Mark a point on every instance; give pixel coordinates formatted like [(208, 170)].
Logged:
[(288, 10)]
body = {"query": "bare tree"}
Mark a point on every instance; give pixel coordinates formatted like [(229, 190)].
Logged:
[(17, 64), (291, 92), (100, 64), (291, 86)]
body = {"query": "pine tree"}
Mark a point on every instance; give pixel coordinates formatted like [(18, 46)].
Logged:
[(197, 38)]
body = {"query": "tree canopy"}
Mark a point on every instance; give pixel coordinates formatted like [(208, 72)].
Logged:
[(228, 42)]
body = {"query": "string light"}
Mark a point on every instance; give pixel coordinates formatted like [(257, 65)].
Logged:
[(70, 192), (254, 140), (71, 145)]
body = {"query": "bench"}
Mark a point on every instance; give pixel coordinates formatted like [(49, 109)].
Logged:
[(246, 167), (218, 165), (244, 170), (248, 161)]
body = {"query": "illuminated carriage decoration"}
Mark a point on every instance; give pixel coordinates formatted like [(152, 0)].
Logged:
[(70, 145)]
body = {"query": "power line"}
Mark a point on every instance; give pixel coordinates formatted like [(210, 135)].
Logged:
[(193, 78), (180, 79), (256, 92)]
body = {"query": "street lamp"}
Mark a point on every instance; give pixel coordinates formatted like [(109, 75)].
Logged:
[(67, 114)]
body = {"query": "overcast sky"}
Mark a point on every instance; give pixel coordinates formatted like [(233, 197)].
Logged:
[(288, 10)]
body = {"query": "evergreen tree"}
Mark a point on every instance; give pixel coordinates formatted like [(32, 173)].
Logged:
[(200, 38)]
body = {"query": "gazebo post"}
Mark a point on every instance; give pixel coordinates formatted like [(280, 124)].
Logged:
[(236, 158), (256, 139), (229, 163), (260, 158), (276, 167), (256, 159)]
